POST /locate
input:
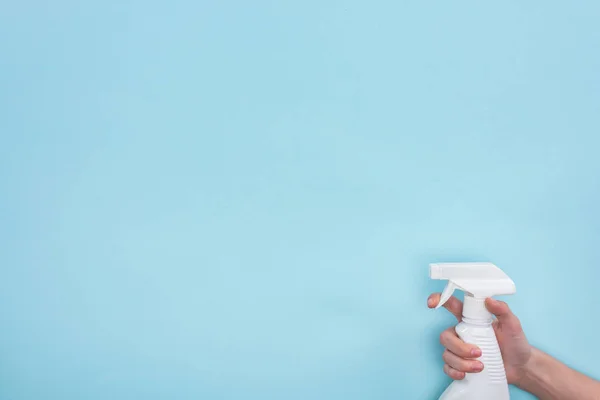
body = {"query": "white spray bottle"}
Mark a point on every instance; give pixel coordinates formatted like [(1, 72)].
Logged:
[(478, 281)]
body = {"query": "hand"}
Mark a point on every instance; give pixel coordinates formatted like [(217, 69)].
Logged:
[(460, 357)]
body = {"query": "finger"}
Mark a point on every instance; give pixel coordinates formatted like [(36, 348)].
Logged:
[(453, 304), (501, 310), (452, 373), (461, 364), (450, 340)]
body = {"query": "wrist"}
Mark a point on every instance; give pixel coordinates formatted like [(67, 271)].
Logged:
[(531, 374)]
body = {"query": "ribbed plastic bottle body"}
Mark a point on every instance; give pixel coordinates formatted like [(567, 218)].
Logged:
[(489, 384)]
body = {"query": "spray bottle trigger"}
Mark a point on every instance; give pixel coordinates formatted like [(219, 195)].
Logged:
[(447, 293)]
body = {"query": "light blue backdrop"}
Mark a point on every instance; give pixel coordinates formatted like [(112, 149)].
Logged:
[(239, 199)]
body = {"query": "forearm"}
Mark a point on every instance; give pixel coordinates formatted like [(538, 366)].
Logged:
[(549, 379)]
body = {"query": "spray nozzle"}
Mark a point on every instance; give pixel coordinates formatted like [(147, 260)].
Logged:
[(479, 280)]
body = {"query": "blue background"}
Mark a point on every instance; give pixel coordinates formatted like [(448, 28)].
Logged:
[(239, 200)]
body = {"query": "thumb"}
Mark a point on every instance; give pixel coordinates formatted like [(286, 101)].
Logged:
[(500, 309)]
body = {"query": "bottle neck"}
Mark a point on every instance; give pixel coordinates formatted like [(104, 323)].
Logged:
[(475, 312)]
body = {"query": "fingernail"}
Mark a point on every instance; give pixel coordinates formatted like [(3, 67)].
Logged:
[(477, 366), (475, 352), (430, 302)]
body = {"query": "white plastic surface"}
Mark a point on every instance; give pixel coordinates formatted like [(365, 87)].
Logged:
[(489, 384), (478, 281)]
